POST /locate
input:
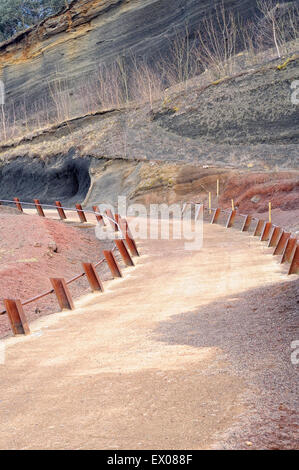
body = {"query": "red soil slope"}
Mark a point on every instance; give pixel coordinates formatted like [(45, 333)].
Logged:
[(32, 250), (282, 189)]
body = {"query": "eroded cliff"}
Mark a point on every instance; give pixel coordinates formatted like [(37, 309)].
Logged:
[(71, 45)]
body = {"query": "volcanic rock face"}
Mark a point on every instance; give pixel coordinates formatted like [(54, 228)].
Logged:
[(167, 151), (249, 110), (72, 44)]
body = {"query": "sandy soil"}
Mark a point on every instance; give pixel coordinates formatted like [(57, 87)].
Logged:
[(191, 350)]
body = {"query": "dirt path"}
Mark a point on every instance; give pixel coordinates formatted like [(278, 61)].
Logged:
[(131, 369)]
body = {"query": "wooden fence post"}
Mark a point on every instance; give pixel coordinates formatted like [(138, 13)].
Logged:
[(16, 317), (282, 241), (39, 208), (216, 215), (274, 237), (109, 214), (259, 228), (129, 238), (198, 211), (289, 250), (266, 232), (112, 263), (231, 219), (124, 252), (93, 277), (294, 268), (99, 217), (60, 210), (18, 204), (246, 224), (81, 213)]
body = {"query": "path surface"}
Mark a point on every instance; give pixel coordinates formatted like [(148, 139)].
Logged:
[(126, 370)]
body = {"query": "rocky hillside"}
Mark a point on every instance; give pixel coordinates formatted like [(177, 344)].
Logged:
[(71, 45)]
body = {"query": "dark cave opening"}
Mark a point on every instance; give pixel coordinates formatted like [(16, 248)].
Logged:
[(57, 179)]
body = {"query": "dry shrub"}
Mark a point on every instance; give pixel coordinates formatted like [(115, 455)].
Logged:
[(109, 89), (219, 39)]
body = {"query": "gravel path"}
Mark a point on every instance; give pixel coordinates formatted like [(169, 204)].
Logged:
[(190, 350), (34, 249)]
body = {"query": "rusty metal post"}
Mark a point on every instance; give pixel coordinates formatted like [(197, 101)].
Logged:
[(259, 228), (124, 252), (109, 214), (16, 317), (132, 245), (274, 237), (93, 277), (98, 216), (198, 210), (289, 250), (216, 215), (266, 232), (62, 293), (117, 218), (112, 263), (39, 208), (129, 238), (231, 219), (60, 210), (81, 213), (282, 241), (123, 226), (294, 268), (18, 204)]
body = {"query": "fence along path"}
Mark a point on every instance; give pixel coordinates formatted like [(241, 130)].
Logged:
[(284, 243), (148, 364), (124, 243)]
